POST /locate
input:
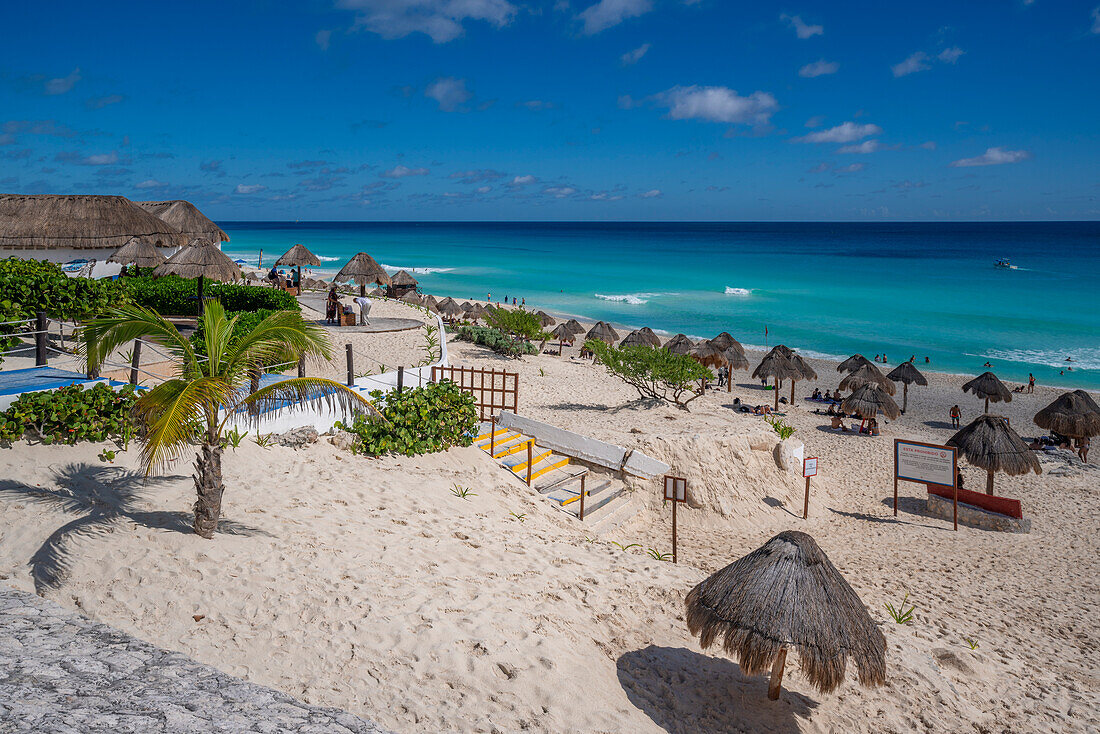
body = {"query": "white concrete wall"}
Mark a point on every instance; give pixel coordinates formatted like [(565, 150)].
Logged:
[(62, 255)]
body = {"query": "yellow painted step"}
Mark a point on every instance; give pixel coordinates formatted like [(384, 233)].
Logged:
[(509, 450), (571, 500), (550, 467), (535, 458), (499, 432)]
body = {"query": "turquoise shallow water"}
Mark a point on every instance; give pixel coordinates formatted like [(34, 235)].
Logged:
[(825, 289)]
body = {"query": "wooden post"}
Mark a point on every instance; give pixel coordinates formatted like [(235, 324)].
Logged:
[(135, 362), (729, 378), (674, 503), (777, 395), (351, 367), (895, 483), (904, 396), (987, 405), (530, 455), (806, 504), (40, 358), (955, 504), (792, 391), (492, 435), (582, 496), (400, 378), (776, 683), (362, 290), (989, 482), (301, 366)]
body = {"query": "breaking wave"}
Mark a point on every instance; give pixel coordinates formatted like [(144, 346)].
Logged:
[(1085, 358), (634, 299), (417, 271), (730, 291)]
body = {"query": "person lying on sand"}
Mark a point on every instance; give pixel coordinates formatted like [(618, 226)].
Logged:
[(761, 410)]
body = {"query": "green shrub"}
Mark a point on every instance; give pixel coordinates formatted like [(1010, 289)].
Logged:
[(518, 323), (9, 312), (71, 414), (37, 285), (178, 296), (654, 373), (784, 430), (246, 322), (421, 420), (496, 340)]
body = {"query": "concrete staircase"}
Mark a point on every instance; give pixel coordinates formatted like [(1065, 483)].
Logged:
[(606, 505)]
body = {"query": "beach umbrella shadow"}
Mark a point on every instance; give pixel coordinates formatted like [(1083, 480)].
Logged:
[(686, 692), (100, 498)]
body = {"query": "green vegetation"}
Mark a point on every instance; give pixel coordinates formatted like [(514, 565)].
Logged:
[(900, 614), (972, 643), (243, 323), (36, 285), (176, 296), (108, 456), (496, 340), (622, 547), (517, 323), (233, 437), (521, 516), (187, 409), (784, 430), (463, 492), (655, 373), (71, 414), (654, 553), (419, 420)]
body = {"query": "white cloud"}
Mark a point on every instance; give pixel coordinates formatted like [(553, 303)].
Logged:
[(404, 172), (950, 55), (993, 157), (483, 189), (867, 146), (440, 20), (151, 183), (249, 189), (559, 192), (801, 28), (651, 194), (323, 38), (928, 145), (607, 13), (717, 104), (63, 84), (847, 132), (632, 57), (819, 68), (852, 168), (916, 62), (449, 92), (1096, 19), (523, 180), (815, 121)]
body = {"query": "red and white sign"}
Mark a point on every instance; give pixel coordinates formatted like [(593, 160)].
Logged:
[(924, 462), (809, 467)]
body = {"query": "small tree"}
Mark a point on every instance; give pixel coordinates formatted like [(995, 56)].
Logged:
[(654, 373), (518, 324)]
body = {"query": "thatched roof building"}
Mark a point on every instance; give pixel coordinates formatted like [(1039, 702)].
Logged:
[(449, 309), (200, 258), (988, 386), (736, 359), (141, 253), (989, 443), (562, 333), (80, 222), (867, 400), (185, 216), (787, 594), (412, 297), (1073, 414), (707, 355), (401, 283)]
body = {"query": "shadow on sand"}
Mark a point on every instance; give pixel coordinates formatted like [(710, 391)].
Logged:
[(639, 404), (100, 498), (686, 692)]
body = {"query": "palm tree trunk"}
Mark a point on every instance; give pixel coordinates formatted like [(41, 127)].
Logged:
[(209, 488)]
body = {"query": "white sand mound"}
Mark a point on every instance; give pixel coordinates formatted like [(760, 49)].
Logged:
[(731, 480)]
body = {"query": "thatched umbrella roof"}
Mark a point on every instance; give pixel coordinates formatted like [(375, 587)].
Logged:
[(412, 297), (808, 372), (868, 374), (546, 319), (788, 594), (298, 256), (777, 365), (604, 332), (185, 216), (466, 306), (724, 342), (643, 337), (867, 400), (200, 258), (377, 293), (707, 355), (574, 326), (1073, 414), (736, 359), (989, 443), (907, 374), (562, 333), (50, 222), (449, 308), (403, 278), (853, 363), (679, 344), (362, 269), (431, 304), (138, 252), (988, 386)]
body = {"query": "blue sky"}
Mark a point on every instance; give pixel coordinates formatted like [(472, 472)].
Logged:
[(558, 110)]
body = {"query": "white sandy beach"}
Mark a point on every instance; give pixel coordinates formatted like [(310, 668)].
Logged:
[(367, 584)]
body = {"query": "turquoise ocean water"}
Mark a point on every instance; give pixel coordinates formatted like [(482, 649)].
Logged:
[(826, 289)]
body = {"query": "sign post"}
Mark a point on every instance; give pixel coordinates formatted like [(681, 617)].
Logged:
[(809, 469), (676, 491), (927, 463)]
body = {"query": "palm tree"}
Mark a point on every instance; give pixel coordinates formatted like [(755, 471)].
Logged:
[(208, 392)]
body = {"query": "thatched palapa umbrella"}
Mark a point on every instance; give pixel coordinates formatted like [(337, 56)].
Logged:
[(907, 375), (867, 400), (679, 344), (853, 363), (989, 443), (297, 257), (988, 386), (449, 309), (574, 326), (604, 332), (868, 374), (1074, 414), (707, 355), (777, 365), (401, 283), (412, 297), (643, 337), (724, 342), (363, 270), (787, 594), (562, 334), (138, 252), (200, 260), (431, 304), (545, 319)]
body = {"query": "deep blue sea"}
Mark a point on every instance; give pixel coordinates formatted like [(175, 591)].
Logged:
[(825, 289)]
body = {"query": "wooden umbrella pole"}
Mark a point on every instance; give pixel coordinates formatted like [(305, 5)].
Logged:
[(987, 405), (777, 395), (989, 482), (776, 683), (792, 392), (904, 396)]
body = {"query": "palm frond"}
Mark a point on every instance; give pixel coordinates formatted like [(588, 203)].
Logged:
[(280, 333), (102, 336), (217, 331), (294, 393), (169, 412)]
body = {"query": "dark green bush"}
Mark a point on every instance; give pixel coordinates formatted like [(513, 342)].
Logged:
[(496, 340), (420, 420), (37, 285), (177, 296), (71, 414)]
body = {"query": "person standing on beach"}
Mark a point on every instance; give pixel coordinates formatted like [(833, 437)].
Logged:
[(489, 297), (955, 414), (1030, 382)]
